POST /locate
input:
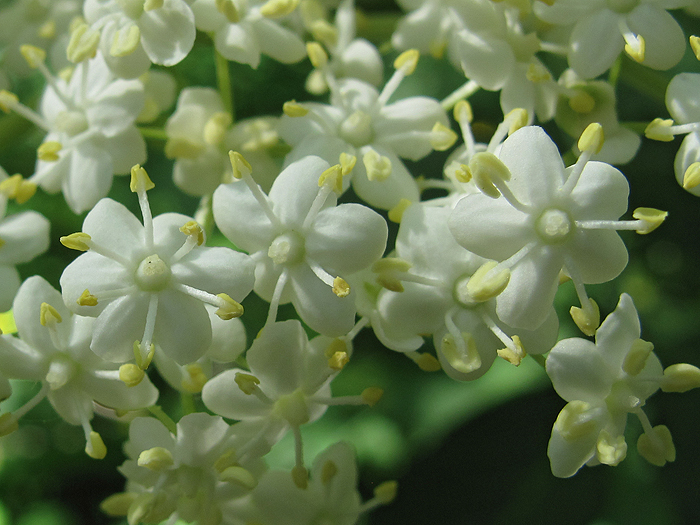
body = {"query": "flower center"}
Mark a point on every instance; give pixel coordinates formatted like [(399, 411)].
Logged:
[(287, 248), (622, 6), (71, 122), (153, 275), (554, 226), (357, 129), (61, 370)]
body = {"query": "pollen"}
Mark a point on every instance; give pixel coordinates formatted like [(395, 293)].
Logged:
[(192, 228), (228, 9), (340, 287), (587, 319), (378, 166), (659, 129), (651, 217)]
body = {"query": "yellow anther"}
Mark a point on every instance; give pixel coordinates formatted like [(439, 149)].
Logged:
[(7, 100), (333, 176), (193, 228), (228, 9), (35, 56), (537, 73), (278, 8), (324, 32), (691, 177), (486, 284), (592, 138), (441, 137), (66, 73), (517, 118), (150, 5), (574, 422), (48, 315), (637, 49), (8, 424), (77, 241), (292, 108), (25, 191), (464, 357), (118, 504), (425, 361), (463, 112), (587, 319), (130, 374), (179, 148), (140, 181), (407, 61), (513, 356), (680, 377), (347, 163), (328, 472), (47, 30), (300, 477), (378, 166), (695, 45), (372, 395), (142, 362), (396, 213), (228, 309), (652, 218), (248, 383), (338, 360), (484, 167), (610, 450), (340, 287), (156, 459), (317, 55), (659, 129), (336, 345), (195, 379), (386, 270), (126, 41), (15, 187), (658, 447), (581, 102), (463, 173), (437, 48), (636, 358), (48, 151), (216, 127), (385, 493), (95, 447), (239, 165), (240, 476)]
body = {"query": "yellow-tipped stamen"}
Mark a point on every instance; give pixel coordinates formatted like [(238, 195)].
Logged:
[(425, 361), (150, 5), (695, 45), (537, 73), (48, 151), (241, 167), (300, 477), (248, 383), (328, 472), (680, 377), (338, 360), (229, 10), (372, 395), (488, 171), (463, 174), (513, 355), (463, 112), (388, 272), (292, 108), (194, 230), (126, 41), (141, 361), (131, 374), (574, 422), (586, 318), (48, 315), (407, 61), (656, 446), (47, 30), (8, 424), (83, 43), (117, 505), (441, 137), (592, 138), (635, 47), (347, 163), (34, 56), (239, 476), (317, 55), (650, 218), (140, 181), (333, 176), (515, 119), (195, 378), (691, 177), (636, 358), (156, 459), (229, 308), (278, 8), (178, 148), (486, 284), (340, 287), (396, 213), (324, 32), (386, 492), (659, 129), (8, 100), (76, 241), (95, 447)]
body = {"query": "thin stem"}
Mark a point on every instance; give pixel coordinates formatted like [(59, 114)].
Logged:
[(152, 133), (164, 418), (223, 81)]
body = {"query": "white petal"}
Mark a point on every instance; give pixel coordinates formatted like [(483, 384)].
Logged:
[(89, 178), (664, 39), (126, 149), (579, 372), (486, 60), (279, 42), (182, 328), (25, 235), (119, 326), (27, 311), (117, 107), (595, 43), (599, 255), (222, 396), (568, 456), (167, 236), (681, 97), (114, 393), (9, 284), (387, 193), (688, 153), (167, 33), (618, 332), (236, 42), (112, 225)]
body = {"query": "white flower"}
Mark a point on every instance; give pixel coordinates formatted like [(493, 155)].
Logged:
[(148, 282)]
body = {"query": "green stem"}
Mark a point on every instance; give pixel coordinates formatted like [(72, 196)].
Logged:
[(153, 133), (223, 81), (163, 418), (648, 81)]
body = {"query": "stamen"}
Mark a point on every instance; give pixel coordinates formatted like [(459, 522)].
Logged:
[(463, 92), (94, 447), (83, 43), (680, 377), (242, 170), (276, 296), (405, 65), (294, 109), (635, 45), (10, 102), (396, 213), (278, 8), (150, 320), (140, 184), (425, 361), (587, 318)]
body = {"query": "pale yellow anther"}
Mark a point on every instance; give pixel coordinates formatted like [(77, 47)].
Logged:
[(463, 112), (514, 355), (407, 61), (587, 319), (48, 315), (328, 472), (336, 345), (324, 32), (659, 129), (228, 309), (387, 270), (537, 73), (574, 421), (486, 284), (83, 42), (592, 138), (652, 218), (226, 460), (338, 361), (95, 447), (300, 477), (25, 191), (241, 168), (248, 383), (385, 493), (317, 55), (658, 447), (77, 241), (150, 5), (48, 151), (15, 187), (426, 362), (437, 48), (636, 49), (333, 176), (581, 102), (396, 213), (66, 73), (278, 8), (636, 358), (517, 118), (292, 108), (610, 450), (126, 41), (695, 45), (192, 228), (194, 380), (47, 30), (156, 459), (239, 476), (378, 166), (441, 137), (8, 424), (35, 56), (485, 167), (340, 287), (347, 163), (680, 377), (143, 362), (179, 148), (228, 9), (140, 181), (691, 177), (371, 396), (463, 174), (131, 375), (216, 127), (117, 505), (7, 100)]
